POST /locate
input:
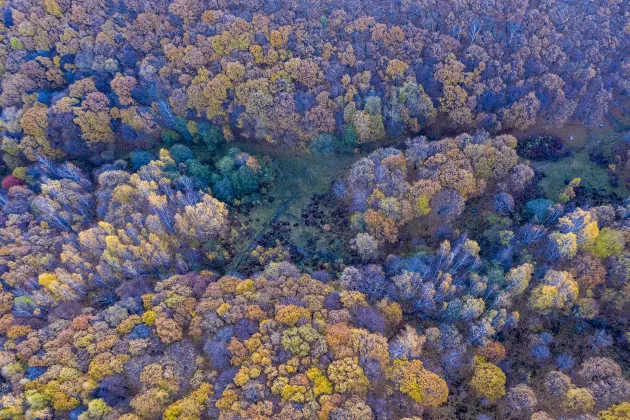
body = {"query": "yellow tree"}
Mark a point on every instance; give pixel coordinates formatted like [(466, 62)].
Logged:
[(422, 385), (488, 380)]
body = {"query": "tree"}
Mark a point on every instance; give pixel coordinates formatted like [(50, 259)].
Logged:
[(520, 402), (609, 242), (190, 407), (123, 85), (518, 278), (94, 119), (556, 292), (205, 221), (579, 400), (97, 409), (366, 245), (423, 386), (348, 376), (616, 412), (562, 245), (522, 113), (488, 380)]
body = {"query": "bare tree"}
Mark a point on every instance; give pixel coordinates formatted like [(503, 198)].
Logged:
[(513, 28), (456, 31), (475, 29)]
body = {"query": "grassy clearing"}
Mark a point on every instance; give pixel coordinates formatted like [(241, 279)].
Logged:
[(581, 141), (298, 176), (559, 173)]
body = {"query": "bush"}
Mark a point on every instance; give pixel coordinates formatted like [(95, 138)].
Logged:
[(210, 135), (170, 137), (181, 153), (239, 176), (541, 148), (140, 158), (323, 145), (11, 181), (199, 171), (609, 242), (350, 137), (538, 208)]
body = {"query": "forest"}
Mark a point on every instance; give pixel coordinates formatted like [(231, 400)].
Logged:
[(316, 210)]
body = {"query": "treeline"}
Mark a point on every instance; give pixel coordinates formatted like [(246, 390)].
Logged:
[(88, 78)]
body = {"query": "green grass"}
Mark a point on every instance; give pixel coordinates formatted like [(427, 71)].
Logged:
[(578, 166), (297, 179), (601, 139)]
